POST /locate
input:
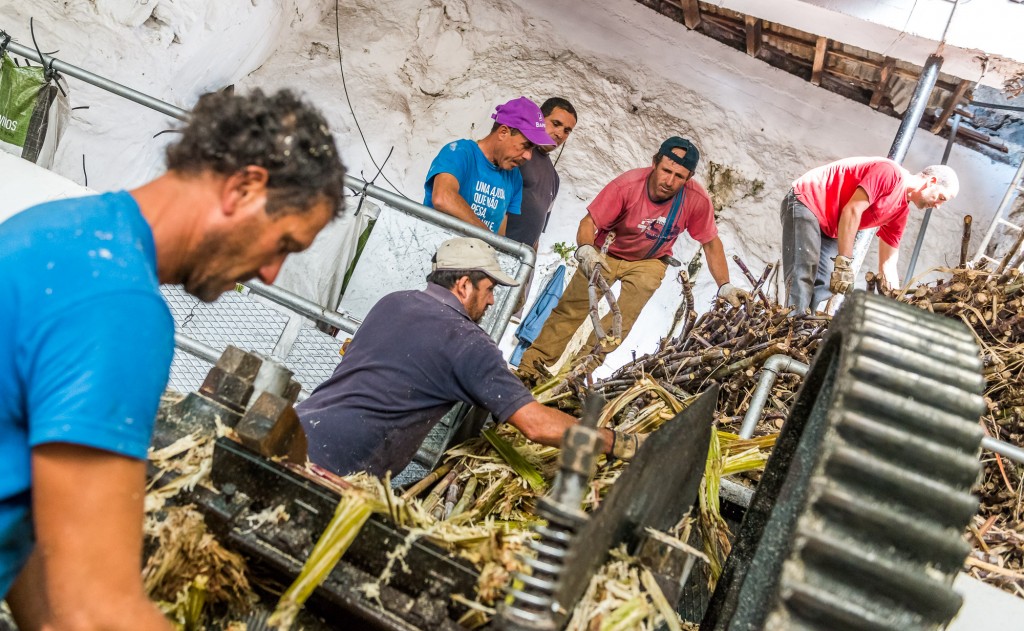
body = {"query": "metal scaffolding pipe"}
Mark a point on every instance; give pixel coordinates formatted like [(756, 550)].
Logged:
[(915, 110), (777, 364), (303, 306), (96, 80), (1003, 449), (901, 143), (195, 347), (954, 128), (773, 366)]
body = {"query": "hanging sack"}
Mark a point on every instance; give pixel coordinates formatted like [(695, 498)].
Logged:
[(34, 109)]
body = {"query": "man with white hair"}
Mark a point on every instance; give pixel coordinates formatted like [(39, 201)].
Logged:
[(826, 207)]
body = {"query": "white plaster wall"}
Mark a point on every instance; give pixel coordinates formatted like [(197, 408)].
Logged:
[(173, 50), (423, 72)]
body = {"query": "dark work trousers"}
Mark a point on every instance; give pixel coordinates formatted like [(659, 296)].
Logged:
[(807, 255)]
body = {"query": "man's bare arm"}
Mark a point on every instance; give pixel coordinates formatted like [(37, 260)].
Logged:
[(714, 252), (888, 256), (446, 198), (546, 425), (849, 221), (86, 569), (587, 231)]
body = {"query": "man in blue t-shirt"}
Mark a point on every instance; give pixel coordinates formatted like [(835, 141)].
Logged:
[(416, 354), (87, 341), (477, 181)]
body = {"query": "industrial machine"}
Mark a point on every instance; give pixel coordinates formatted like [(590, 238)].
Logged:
[(855, 524)]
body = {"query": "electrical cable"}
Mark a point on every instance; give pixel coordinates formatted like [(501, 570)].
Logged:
[(344, 86)]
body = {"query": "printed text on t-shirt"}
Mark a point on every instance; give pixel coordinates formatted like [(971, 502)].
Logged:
[(486, 197)]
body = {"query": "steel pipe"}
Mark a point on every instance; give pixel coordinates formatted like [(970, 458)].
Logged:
[(954, 128), (1003, 449), (49, 61), (195, 347), (304, 306), (773, 366), (901, 143), (777, 364)]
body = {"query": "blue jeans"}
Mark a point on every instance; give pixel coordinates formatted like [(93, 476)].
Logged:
[(807, 255)]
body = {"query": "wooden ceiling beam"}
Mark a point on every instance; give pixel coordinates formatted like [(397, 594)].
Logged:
[(753, 26), (954, 100), (691, 13), (882, 87), (819, 60)]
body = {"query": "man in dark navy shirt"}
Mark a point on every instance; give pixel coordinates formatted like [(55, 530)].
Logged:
[(416, 354)]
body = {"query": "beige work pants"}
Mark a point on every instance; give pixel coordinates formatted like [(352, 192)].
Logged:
[(639, 280)]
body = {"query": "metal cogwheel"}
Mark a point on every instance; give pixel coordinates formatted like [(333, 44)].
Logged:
[(858, 520)]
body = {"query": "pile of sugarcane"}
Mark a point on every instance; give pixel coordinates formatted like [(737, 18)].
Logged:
[(991, 304), (726, 345)]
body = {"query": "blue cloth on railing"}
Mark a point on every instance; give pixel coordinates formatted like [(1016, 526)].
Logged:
[(531, 325)]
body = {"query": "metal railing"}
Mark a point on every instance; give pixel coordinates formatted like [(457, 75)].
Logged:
[(295, 302)]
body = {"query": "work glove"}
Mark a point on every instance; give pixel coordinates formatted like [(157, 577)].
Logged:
[(589, 258), (733, 294), (625, 446), (842, 275), (884, 285)]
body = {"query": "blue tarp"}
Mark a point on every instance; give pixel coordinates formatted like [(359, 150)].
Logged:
[(531, 325)]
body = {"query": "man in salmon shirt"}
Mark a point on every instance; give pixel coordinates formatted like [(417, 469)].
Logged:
[(646, 209), (828, 205)]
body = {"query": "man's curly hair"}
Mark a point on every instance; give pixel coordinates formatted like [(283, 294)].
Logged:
[(279, 132)]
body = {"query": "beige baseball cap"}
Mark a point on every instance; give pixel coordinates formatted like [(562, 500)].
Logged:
[(467, 254)]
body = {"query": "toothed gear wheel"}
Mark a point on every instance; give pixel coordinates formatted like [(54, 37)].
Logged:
[(857, 522)]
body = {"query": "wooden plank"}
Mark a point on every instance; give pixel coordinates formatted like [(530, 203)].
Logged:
[(691, 13), (753, 28), (819, 60), (954, 100), (882, 87)]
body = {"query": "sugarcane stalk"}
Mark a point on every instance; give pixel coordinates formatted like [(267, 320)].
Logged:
[(467, 497), (514, 459), (352, 512), (434, 497), (1012, 253), (965, 240), (425, 483), (750, 278)]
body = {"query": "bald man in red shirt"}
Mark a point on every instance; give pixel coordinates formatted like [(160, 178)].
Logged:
[(828, 205)]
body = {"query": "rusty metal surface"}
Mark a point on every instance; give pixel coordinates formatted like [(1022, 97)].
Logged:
[(656, 490)]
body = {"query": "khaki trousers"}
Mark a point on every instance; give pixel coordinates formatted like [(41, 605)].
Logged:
[(639, 280)]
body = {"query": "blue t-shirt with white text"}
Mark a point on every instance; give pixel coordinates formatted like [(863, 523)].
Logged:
[(491, 192), (86, 342)]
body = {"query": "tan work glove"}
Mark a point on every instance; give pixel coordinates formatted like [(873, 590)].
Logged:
[(842, 275), (733, 294), (625, 446), (589, 258)]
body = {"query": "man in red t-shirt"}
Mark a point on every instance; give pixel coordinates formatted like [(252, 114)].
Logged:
[(646, 209), (828, 205)]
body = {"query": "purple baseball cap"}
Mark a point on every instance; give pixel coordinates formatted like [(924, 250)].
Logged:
[(524, 115)]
